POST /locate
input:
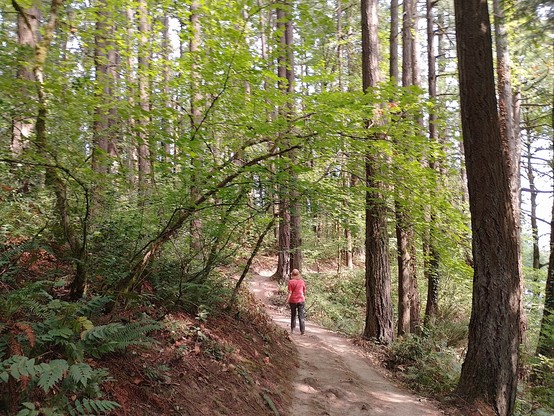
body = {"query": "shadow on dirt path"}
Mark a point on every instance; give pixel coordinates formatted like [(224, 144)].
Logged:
[(334, 378)]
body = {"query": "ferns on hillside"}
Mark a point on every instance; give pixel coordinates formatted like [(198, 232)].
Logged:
[(65, 332)]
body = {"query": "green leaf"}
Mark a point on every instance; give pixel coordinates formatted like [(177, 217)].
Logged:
[(80, 373), (55, 373), (4, 376)]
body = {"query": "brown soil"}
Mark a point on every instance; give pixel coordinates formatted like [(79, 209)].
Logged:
[(233, 364), (337, 377)]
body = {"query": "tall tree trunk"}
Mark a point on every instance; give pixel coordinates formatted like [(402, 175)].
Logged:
[(378, 320), (545, 344), (101, 130), (52, 177), (533, 207), (144, 160), (489, 372), (393, 42), (295, 203), (509, 130), (167, 141), (196, 119), (431, 256), (289, 197), (27, 35), (408, 298), (131, 151)]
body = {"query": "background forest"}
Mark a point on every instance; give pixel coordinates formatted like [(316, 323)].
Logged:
[(146, 146)]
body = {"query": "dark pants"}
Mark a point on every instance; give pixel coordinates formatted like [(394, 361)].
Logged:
[(293, 308)]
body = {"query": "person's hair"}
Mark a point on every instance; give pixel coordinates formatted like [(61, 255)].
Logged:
[(295, 273)]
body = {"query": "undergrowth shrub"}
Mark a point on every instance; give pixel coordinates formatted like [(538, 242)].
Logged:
[(45, 350), (431, 362), (535, 395), (192, 292), (425, 364), (336, 302)]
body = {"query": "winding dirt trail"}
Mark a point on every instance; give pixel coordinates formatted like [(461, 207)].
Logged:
[(334, 378)]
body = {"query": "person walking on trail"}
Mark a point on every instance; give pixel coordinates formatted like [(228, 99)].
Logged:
[(296, 299)]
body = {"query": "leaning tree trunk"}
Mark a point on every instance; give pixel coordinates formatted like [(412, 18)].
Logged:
[(489, 372), (378, 321)]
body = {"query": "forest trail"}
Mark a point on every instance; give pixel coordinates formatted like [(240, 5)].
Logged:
[(334, 377)]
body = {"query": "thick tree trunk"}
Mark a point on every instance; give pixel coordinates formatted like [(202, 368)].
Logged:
[(509, 130), (378, 322), (489, 372)]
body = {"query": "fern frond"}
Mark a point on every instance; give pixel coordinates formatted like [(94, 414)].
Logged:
[(116, 337), (55, 372), (80, 373), (92, 407), (95, 306)]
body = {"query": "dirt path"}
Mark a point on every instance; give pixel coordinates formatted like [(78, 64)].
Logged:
[(334, 377)]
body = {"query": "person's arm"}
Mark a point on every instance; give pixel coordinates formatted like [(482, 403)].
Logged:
[(290, 293)]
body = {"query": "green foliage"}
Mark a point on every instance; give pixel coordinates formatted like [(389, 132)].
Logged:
[(425, 364), (59, 382), (48, 353), (535, 395), (114, 337), (336, 301)]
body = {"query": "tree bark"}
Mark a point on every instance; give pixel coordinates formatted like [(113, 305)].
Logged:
[(393, 42), (533, 208), (53, 180), (27, 35), (290, 235), (143, 150), (430, 253), (196, 120), (408, 297), (489, 372), (105, 69), (378, 320)]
